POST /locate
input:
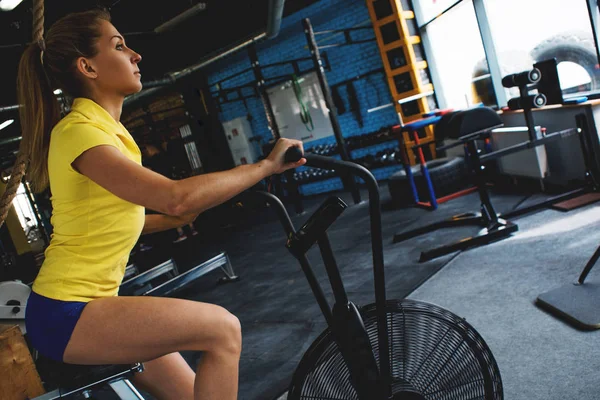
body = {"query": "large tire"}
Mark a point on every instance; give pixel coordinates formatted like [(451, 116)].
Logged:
[(448, 175), (510, 61), (578, 48)]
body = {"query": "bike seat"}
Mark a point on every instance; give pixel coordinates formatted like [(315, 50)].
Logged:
[(69, 377)]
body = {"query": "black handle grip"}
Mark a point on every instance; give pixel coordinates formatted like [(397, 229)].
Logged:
[(522, 78), (293, 154), (533, 101)]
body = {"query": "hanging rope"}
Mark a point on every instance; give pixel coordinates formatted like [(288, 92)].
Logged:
[(18, 170), (38, 20)]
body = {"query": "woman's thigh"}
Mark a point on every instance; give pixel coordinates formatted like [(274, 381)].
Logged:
[(121, 330)]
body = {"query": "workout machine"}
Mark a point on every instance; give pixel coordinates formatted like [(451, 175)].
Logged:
[(577, 302), (392, 349), (412, 128), (79, 380), (469, 126), (164, 279), (13, 301)]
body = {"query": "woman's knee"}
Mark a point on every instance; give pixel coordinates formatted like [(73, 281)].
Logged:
[(230, 333)]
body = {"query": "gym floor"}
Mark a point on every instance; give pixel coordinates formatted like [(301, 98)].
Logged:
[(494, 287)]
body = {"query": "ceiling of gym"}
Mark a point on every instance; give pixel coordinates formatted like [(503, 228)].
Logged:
[(219, 25)]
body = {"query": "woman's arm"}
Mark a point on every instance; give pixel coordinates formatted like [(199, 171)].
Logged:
[(109, 168), (160, 222)]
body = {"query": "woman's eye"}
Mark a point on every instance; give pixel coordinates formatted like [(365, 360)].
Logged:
[(119, 47)]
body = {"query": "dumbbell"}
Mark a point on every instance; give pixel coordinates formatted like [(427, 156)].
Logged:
[(522, 78), (390, 157), (532, 101)]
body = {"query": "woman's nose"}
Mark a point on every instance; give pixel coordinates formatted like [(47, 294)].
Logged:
[(136, 58)]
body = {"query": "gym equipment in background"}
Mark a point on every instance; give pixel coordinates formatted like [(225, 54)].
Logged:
[(544, 78), (469, 126), (466, 126), (577, 302), (449, 178), (238, 133), (13, 302), (413, 129), (165, 279), (392, 349)]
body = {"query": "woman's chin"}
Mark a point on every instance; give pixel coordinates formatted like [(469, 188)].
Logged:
[(135, 89)]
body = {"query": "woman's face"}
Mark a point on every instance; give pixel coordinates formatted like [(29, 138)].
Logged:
[(115, 67)]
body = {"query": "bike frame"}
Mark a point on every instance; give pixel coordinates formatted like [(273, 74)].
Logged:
[(351, 169)]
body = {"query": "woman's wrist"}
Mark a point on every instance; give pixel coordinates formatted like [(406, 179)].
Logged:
[(268, 166)]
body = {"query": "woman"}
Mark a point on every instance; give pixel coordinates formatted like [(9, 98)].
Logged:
[(99, 191)]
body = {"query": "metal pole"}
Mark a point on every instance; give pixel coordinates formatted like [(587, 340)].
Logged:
[(36, 212), (349, 183), (262, 91), (490, 51), (10, 140), (274, 20), (292, 186), (9, 108), (593, 8), (203, 64), (588, 267), (172, 77)]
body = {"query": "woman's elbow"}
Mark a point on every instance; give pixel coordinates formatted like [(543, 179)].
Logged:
[(176, 204)]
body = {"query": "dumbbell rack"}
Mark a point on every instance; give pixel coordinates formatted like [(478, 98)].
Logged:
[(405, 65), (393, 133)]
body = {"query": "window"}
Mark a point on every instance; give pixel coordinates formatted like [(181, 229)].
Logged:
[(26, 215), (525, 32), (516, 34), (456, 52)]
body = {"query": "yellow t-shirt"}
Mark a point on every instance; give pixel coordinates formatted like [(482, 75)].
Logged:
[(94, 230)]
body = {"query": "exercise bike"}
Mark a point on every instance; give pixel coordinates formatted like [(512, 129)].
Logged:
[(392, 349)]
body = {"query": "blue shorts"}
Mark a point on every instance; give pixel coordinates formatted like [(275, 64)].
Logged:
[(50, 324)]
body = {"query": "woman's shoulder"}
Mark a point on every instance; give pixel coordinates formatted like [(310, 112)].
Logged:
[(73, 132), (74, 122)]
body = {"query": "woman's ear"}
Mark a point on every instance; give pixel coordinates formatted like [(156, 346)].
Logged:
[(85, 67)]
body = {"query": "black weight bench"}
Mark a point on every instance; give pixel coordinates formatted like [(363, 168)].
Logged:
[(79, 380), (467, 127)]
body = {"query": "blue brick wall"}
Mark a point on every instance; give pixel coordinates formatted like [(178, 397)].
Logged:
[(346, 62)]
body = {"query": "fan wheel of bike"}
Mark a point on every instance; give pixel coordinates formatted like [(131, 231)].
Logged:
[(434, 354)]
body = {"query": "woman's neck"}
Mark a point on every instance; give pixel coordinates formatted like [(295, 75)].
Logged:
[(112, 104)]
